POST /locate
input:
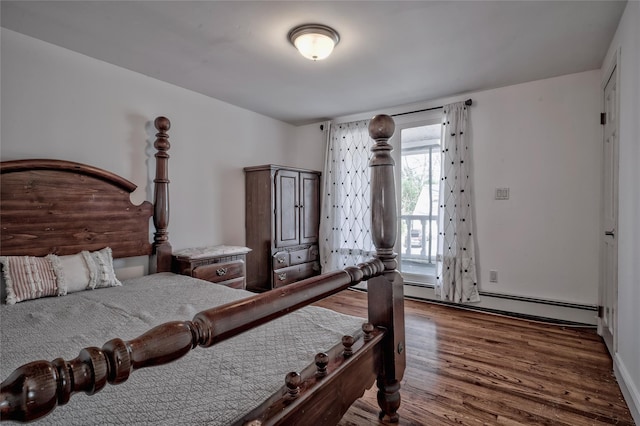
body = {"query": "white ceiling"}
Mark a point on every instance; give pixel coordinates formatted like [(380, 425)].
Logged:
[(390, 53)]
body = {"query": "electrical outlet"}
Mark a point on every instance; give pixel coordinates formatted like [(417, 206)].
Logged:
[(493, 276)]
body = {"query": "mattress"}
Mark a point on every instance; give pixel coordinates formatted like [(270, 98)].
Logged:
[(209, 386)]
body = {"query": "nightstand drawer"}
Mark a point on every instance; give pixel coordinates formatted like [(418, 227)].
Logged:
[(235, 283), (218, 272)]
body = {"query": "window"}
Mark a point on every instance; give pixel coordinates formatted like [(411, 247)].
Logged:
[(419, 175)]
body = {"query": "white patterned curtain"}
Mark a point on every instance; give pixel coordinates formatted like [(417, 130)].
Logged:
[(455, 263), (345, 221)]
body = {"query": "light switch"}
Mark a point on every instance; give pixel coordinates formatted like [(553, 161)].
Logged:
[(502, 193)]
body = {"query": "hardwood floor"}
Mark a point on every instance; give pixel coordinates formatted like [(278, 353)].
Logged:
[(472, 368)]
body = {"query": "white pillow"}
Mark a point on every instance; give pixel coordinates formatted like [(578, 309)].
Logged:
[(84, 271), (72, 272)]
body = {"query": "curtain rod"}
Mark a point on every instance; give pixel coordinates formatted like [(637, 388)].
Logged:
[(468, 102)]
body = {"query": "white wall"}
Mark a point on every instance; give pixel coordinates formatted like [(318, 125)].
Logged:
[(627, 359), (540, 139), (59, 104), (308, 147)]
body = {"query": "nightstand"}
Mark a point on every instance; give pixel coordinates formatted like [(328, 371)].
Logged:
[(224, 265)]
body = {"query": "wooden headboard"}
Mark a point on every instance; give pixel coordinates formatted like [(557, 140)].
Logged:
[(92, 212)]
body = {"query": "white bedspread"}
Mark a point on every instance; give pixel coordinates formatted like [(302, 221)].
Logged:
[(212, 386)]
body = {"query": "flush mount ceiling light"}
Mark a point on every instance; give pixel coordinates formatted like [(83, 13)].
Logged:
[(314, 41)]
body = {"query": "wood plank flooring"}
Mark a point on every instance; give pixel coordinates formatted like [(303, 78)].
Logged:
[(472, 368)]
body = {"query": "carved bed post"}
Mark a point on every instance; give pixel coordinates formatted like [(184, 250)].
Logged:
[(385, 293), (161, 245)]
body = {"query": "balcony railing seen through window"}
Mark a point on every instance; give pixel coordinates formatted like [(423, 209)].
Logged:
[(420, 194)]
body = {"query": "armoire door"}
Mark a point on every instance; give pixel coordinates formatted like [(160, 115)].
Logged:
[(286, 220), (309, 208)]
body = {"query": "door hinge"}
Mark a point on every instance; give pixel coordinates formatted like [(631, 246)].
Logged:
[(603, 118), (600, 311)]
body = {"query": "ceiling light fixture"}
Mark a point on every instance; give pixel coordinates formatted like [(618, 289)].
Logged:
[(314, 41)]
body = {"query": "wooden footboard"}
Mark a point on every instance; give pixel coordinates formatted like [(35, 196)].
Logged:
[(324, 391), (320, 394)]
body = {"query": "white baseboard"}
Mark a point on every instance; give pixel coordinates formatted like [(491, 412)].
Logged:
[(582, 314), (521, 306), (628, 388)]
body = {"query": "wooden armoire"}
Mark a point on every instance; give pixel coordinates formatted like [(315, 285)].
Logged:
[(281, 224)]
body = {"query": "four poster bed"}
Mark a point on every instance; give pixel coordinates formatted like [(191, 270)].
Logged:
[(306, 366)]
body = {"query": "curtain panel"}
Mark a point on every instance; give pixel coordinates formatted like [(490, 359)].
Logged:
[(456, 279), (345, 221)]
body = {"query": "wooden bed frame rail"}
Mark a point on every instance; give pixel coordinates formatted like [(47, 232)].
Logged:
[(320, 394), (325, 390)]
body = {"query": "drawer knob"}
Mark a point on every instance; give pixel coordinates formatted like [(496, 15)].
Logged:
[(281, 260), (221, 272), (282, 276)]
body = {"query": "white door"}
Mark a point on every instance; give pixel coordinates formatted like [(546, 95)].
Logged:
[(609, 279)]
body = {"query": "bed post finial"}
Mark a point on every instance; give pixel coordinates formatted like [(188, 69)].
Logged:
[(161, 245), (385, 293), (162, 124), (381, 128)]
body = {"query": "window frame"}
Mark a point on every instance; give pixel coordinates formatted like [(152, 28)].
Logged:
[(424, 118)]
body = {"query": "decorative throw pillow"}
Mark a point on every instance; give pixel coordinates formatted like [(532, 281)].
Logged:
[(102, 273), (28, 277)]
